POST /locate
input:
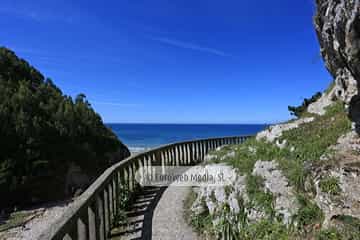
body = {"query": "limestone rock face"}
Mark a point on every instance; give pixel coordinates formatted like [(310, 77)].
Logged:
[(274, 132), (337, 25), (235, 196), (275, 182), (327, 99), (347, 201)]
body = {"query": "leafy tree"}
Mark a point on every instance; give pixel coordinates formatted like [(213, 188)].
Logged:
[(43, 131)]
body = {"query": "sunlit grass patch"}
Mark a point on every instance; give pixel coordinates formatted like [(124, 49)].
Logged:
[(258, 196), (311, 140), (330, 185), (309, 213), (305, 145)]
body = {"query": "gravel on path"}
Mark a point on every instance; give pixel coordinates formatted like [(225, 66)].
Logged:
[(168, 220)]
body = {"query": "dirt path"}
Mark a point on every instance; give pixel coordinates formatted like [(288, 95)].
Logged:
[(37, 221), (168, 220), (156, 214)]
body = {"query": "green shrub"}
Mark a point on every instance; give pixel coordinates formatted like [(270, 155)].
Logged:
[(311, 141), (123, 202), (329, 234), (308, 213), (257, 195), (300, 110), (267, 230), (330, 185), (201, 222), (347, 227), (304, 147), (245, 159)]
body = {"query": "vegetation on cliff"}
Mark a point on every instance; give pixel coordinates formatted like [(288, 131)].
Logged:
[(298, 152), (42, 132), (300, 110)]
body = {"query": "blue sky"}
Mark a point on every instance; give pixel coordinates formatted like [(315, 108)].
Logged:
[(174, 61)]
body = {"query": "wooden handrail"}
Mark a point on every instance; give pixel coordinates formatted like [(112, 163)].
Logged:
[(91, 215)]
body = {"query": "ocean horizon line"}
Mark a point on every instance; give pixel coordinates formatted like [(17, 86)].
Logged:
[(169, 123)]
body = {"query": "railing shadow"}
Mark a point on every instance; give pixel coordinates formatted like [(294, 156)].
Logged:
[(140, 215), (92, 215)]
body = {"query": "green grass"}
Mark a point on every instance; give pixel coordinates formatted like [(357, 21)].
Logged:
[(309, 141), (222, 152), (267, 230), (258, 197), (329, 234), (124, 199), (201, 223), (188, 202), (330, 185), (245, 159), (347, 228), (309, 213)]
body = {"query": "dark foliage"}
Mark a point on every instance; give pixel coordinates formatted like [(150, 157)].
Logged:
[(300, 110), (42, 131)]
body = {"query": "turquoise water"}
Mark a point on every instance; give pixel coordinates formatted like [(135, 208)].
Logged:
[(139, 137)]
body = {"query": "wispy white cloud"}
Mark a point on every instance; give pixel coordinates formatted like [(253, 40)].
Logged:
[(116, 104), (187, 45), (36, 14), (57, 59), (19, 12)]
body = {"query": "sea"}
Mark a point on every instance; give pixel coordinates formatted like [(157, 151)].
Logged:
[(141, 137)]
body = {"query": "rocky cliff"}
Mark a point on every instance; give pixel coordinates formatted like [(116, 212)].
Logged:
[(299, 179), (337, 25)]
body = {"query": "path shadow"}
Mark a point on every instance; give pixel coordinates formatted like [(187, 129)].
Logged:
[(140, 215)]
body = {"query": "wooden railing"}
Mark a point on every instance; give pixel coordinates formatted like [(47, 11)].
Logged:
[(91, 216)]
